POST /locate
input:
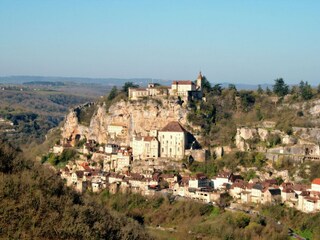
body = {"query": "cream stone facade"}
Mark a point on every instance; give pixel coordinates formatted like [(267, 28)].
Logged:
[(151, 90), (182, 88), (145, 147), (172, 141)]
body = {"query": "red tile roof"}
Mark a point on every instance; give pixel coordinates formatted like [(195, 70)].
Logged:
[(148, 139), (173, 127), (316, 181), (183, 82)]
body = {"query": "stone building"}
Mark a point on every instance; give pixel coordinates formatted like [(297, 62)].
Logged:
[(145, 147), (151, 90), (186, 89), (172, 141)]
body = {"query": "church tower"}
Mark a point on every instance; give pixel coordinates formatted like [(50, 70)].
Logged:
[(199, 82)]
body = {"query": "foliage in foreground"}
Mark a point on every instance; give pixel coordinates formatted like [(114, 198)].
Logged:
[(192, 220), (35, 204)]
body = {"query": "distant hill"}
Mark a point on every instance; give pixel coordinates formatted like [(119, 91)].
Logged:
[(42, 80), (44, 83)]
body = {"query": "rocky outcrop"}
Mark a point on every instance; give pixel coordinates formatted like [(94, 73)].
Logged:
[(315, 109), (244, 134), (138, 116), (72, 129)]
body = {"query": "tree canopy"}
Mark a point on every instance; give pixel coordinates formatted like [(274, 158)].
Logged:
[(305, 90), (127, 85), (280, 88)]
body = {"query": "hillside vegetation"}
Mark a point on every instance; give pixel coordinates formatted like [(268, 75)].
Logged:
[(33, 113), (35, 204), (225, 109)]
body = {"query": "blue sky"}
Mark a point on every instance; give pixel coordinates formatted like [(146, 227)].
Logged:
[(230, 41)]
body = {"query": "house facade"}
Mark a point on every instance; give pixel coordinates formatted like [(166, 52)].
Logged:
[(183, 88), (172, 141)]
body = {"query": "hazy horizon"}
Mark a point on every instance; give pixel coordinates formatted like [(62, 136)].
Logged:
[(248, 42)]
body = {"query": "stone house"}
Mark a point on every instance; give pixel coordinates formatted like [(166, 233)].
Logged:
[(184, 88), (172, 141), (145, 147), (287, 194), (151, 91), (271, 195), (245, 197), (78, 181), (111, 148), (315, 185), (199, 181), (237, 189), (257, 193), (222, 178), (202, 196), (309, 201)]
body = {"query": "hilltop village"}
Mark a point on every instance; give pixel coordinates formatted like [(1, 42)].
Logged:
[(145, 144)]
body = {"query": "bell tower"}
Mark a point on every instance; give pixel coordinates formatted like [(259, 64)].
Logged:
[(199, 81)]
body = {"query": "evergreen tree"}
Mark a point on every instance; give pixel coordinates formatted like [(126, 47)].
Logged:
[(305, 90), (206, 86), (280, 88), (268, 91), (232, 87), (217, 89), (260, 90), (128, 85), (113, 93)]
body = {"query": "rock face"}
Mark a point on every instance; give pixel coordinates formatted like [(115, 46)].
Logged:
[(244, 134), (137, 116), (315, 109), (71, 128)]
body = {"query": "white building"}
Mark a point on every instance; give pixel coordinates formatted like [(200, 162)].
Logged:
[(111, 148), (172, 141), (182, 88), (199, 181), (151, 90), (315, 185), (222, 179), (145, 147)]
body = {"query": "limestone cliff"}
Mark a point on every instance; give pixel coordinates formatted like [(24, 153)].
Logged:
[(138, 116)]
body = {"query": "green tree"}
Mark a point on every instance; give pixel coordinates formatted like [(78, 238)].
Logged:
[(206, 86), (232, 87), (305, 90), (127, 85), (280, 88), (217, 89), (247, 100), (113, 93), (268, 91), (260, 90)]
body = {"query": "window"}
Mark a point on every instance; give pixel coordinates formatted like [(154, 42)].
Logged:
[(162, 149)]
